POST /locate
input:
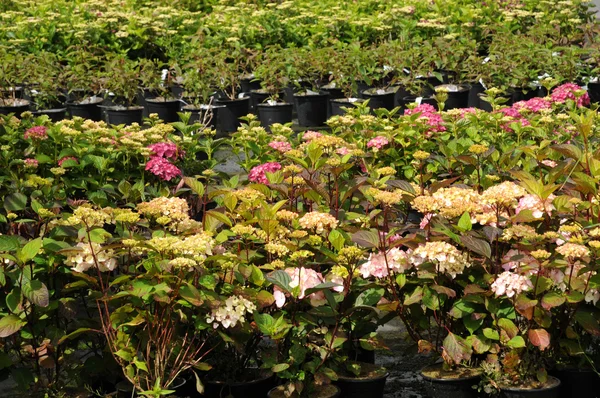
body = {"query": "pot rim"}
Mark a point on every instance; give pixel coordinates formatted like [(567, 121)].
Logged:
[(364, 379), (45, 111), (373, 91), (121, 108), (304, 95), (556, 384), (203, 107), (24, 103), (347, 100), (164, 101), (339, 390), (229, 100), (265, 377), (265, 105), (78, 103), (449, 381)]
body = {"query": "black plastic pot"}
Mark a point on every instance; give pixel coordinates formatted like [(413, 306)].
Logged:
[(476, 89), (87, 109), (258, 97), (7, 107), (12, 92), (249, 83), (258, 388), (122, 115), (125, 388), (204, 113), (458, 96), (380, 98), (311, 108), (166, 109), (334, 93), (552, 390), (327, 391), (56, 115), (430, 83), (276, 113), (337, 105), (594, 91), (580, 383), (362, 387), (449, 387), (229, 116)]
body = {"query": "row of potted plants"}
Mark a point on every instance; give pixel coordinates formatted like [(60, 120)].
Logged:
[(127, 248)]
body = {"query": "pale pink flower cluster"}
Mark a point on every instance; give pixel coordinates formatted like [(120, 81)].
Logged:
[(257, 174), (537, 207), (549, 163), (446, 257), (36, 133), (31, 163), (61, 161), (573, 250), (162, 168), (318, 221), (303, 278), (231, 313), (515, 114), (377, 142), (428, 112), (567, 91), (535, 104), (377, 265), (167, 150), (281, 146), (310, 135), (511, 284), (343, 151), (83, 259)]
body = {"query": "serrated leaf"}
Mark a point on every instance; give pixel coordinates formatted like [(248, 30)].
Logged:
[(552, 299), (508, 326), (539, 338), (9, 325), (457, 348), (516, 342), (479, 246), (464, 223), (189, 293), (37, 293), (15, 202), (30, 250)]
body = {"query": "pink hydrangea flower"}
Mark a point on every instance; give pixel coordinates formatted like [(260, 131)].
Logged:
[(534, 105), (567, 91), (280, 146), (257, 174), (537, 207), (166, 150), (343, 151), (377, 142), (304, 278), (37, 133), (31, 163), (511, 284), (162, 168), (377, 265), (433, 119), (515, 259), (310, 135), (61, 161)]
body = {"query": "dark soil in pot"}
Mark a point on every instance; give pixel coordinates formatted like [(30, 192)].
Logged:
[(229, 116), (311, 108), (380, 98), (87, 108), (369, 384), (580, 383), (257, 385), (338, 105), (208, 114), (269, 114), (16, 106), (124, 115), (165, 108), (450, 384), (327, 391), (458, 95), (551, 389), (56, 115)]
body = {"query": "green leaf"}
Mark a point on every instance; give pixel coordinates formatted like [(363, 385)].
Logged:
[(189, 293), (74, 334), (15, 202), (219, 217), (280, 367), (457, 348), (141, 365), (415, 297), (508, 326), (37, 293), (587, 321), (9, 325), (9, 243), (552, 299), (479, 246), (281, 279), (337, 239), (464, 223), (491, 334), (199, 385), (30, 250), (516, 342), (370, 297), (367, 239)]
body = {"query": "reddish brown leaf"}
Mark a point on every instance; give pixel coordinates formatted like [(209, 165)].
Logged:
[(539, 338)]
